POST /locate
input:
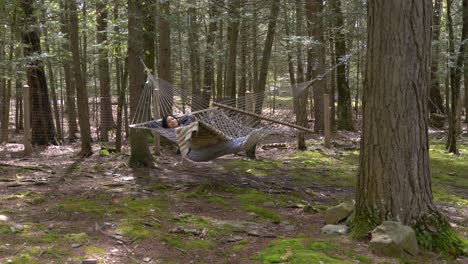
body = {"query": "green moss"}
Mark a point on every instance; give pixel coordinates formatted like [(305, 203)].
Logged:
[(160, 187), (199, 244), (434, 233), (134, 229), (362, 224), (104, 153), (94, 250), (331, 169), (23, 259), (77, 238), (263, 213), (259, 168), (253, 197), (216, 200), (239, 246), (4, 229), (297, 251), (89, 206)]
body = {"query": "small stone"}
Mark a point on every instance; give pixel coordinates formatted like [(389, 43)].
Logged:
[(335, 214), (268, 204), (89, 261), (335, 229), (76, 245), (4, 218), (452, 173), (290, 228), (147, 259)]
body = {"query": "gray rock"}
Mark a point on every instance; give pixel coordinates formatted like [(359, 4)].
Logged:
[(335, 229), (335, 214), (4, 218), (393, 239), (268, 204), (89, 261)]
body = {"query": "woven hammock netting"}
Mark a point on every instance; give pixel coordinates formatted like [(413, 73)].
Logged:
[(227, 118)]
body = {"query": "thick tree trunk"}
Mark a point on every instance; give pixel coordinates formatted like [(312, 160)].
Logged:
[(140, 154), (41, 120), (164, 49), (301, 95), (107, 120), (260, 89), (81, 91), (455, 77), (394, 181), (195, 70), (209, 60), (436, 104), (316, 58), (345, 115), (232, 35), (70, 90)]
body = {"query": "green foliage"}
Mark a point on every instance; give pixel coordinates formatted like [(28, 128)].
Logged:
[(77, 238), (298, 251), (263, 213), (434, 233), (361, 224), (443, 164), (134, 229), (104, 153)]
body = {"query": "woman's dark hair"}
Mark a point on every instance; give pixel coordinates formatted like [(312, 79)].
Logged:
[(164, 120)]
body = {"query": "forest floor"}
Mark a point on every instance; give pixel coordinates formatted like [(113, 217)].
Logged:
[(65, 209)]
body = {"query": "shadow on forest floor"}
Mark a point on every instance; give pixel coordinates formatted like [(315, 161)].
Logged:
[(61, 209)]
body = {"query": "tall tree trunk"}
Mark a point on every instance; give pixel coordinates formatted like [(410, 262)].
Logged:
[(51, 75), (140, 154), (394, 186), (243, 58), (436, 104), (219, 61), (332, 84), (266, 55), (195, 70), (455, 77), (164, 49), (42, 125), (107, 120), (345, 115), (232, 35), (301, 95), (70, 90), (209, 62), (81, 91), (3, 74), (316, 58), (254, 47)]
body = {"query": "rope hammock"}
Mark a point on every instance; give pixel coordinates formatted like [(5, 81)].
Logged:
[(222, 127)]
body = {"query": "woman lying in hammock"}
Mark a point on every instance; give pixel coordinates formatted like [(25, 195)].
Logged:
[(216, 150)]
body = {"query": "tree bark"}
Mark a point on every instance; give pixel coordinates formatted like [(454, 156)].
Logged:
[(42, 125), (195, 70), (436, 104), (81, 91), (209, 60), (455, 77), (140, 155), (107, 120), (232, 36), (70, 90), (345, 114), (394, 180), (316, 58), (301, 95), (164, 49), (260, 89)]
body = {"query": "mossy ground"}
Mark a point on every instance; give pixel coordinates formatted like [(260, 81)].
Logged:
[(264, 211)]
